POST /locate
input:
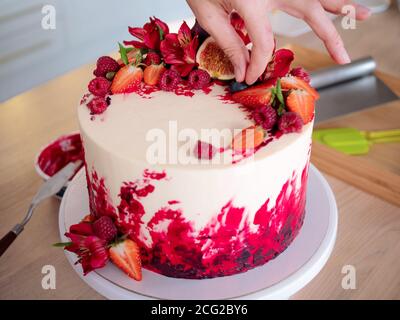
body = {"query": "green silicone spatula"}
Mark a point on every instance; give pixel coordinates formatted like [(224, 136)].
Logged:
[(353, 141)]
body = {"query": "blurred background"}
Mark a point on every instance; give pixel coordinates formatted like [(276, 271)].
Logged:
[(87, 29)]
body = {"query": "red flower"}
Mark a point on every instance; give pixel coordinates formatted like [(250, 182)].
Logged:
[(238, 24), (179, 50), (91, 250), (151, 34), (279, 65)]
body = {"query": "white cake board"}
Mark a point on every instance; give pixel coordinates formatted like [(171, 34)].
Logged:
[(278, 279)]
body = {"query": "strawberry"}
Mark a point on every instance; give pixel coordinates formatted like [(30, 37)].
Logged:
[(126, 79), (291, 82), (152, 74), (132, 57), (249, 138), (255, 96), (301, 102), (126, 256)]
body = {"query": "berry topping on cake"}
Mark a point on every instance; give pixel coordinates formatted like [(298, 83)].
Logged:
[(198, 79), (105, 65), (126, 256), (301, 102), (98, 105), (204, 150), (213, 59), (248, 139), (300, 73), (291, 82), (279, 65), (290, 122), (255, 96), (152, 74), (127, 79), (105, 229), (152, 58), (99, 86), (169, 80), (237, 86), (265, 117)]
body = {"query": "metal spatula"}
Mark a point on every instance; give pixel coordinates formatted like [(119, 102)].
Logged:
[(354, 142), (48, 189), (349, 88)]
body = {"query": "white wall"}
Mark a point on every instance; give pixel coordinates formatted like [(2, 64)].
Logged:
[(85, 30)]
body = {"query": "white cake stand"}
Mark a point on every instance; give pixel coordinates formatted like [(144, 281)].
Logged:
[(278, 279)]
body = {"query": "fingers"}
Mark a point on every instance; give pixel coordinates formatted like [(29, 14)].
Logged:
[(336, 6), (261, 35), (323, 27), (215, 20)]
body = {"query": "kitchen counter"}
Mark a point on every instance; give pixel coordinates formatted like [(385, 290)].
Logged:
[(368, 232)]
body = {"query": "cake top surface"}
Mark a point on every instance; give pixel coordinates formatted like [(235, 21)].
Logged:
[(172, 99), (133, 124)]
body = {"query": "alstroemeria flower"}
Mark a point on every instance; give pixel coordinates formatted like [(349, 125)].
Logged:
[(279, 65), (91, 250), (179, 50), (151, 34), (238, 24)]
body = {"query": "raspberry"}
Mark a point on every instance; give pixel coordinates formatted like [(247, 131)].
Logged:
[(204, 150), (105, 64), (265, 117), (152, 58), (105, 229), (301, 73), (198, 79), (169, 80), (290, 122), (98, 105), (99, 86)]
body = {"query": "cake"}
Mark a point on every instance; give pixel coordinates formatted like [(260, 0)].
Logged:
[(206, 176)]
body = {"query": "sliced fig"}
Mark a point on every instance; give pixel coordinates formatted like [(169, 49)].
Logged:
[(213, 59)]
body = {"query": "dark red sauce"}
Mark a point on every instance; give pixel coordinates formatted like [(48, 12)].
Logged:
[(59, 153)]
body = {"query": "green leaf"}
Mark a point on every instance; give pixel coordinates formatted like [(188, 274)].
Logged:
[(161, 33), (279, 94), (138, 58), (62, 244), (280, 109), (123, 52)]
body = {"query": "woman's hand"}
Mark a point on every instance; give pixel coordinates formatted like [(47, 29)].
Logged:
[(213, 16)]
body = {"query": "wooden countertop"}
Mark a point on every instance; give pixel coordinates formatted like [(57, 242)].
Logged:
[(368, 236)]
